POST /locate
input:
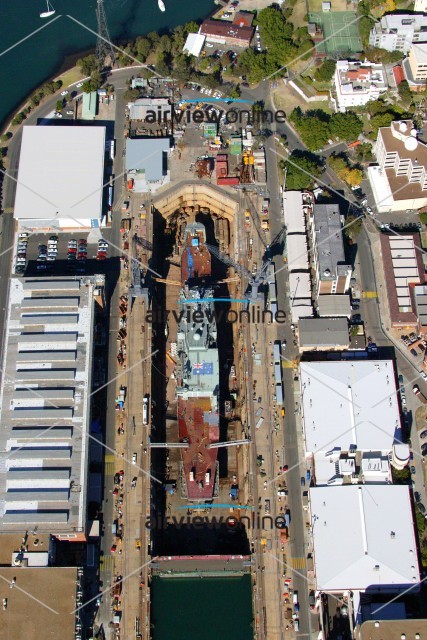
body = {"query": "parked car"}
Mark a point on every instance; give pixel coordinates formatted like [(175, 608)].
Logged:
[(414, 353), (421, 507), (413, 470), (423, 434), (423, 374), (113, 548), (417, 496)]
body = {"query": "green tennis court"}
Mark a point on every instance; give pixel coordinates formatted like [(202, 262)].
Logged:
[(340, 31)]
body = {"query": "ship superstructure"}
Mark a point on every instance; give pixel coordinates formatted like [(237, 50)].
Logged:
[(197, 372)]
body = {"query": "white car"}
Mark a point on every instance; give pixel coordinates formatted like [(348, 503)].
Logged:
[(423, 374), (70, 113), (134, 457), (72, 243), (79, 84), (20, 261), (23, 235), (51, 258), (58, 115), (64, 93)]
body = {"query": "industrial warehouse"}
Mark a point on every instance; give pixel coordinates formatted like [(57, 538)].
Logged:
[(45, 404)]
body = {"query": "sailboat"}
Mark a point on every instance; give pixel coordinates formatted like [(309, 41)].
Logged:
[(50, 11), (162, 5)]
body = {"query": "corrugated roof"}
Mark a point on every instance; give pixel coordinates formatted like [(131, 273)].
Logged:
[(334, 305), (148, 155), (46, 374), (323, 332), (45, 356)]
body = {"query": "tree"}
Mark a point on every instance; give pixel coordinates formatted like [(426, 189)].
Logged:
[(353, 226), (346, 126), (404, 91), (363, 152), (353, 177), (143, 47), (131, 94), (365, 27), (87, 64), (20, 117), (312, 126), (59, 105), (6, 136), (235, 92), (191, 27), (382, 56), (326, 71), (337, 162), (302, 168)]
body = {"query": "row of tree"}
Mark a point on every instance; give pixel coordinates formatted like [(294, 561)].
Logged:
[(339, 163), (46, 90), (315, 127)]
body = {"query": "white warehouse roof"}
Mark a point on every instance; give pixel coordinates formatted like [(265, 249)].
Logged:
[(297, 249), (363, 411), (373, 537), (294, 212), (60, 177)]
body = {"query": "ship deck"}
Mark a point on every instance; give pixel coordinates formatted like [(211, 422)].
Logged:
[(195, 260), (198, 425)]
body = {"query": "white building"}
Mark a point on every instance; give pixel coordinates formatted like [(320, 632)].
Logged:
[(358, 82), (60, 177), (399, 182), (421, 6), (45, 403), (194, 44), (373, 536), (396, 32), (358, 431)]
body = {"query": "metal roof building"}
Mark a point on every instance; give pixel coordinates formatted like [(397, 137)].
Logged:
[(323, 333), (60, 177), (297, 251), (147, 162), (363, 411), (293, 209), (89, 105), (334, 305), (45, 405), (373, 546)]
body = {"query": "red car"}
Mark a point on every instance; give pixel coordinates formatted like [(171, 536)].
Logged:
[(113, 548), (72, 250), (100, 257)]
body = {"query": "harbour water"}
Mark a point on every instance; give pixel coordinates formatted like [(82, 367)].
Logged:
[(35, 59), (201, 607)]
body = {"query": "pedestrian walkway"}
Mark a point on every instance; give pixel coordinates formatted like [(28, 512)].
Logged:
[(369, 294), (109, 465), (106, 563), (298, 563)]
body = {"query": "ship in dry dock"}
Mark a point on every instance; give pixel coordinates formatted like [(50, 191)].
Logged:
[(197, 371)]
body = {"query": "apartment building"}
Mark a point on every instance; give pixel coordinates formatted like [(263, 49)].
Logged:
[(396, 32), (355, 83), (399, 182), (332, 274), (415, 67)]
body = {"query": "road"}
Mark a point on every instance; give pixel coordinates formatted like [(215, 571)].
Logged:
[(291, 435)]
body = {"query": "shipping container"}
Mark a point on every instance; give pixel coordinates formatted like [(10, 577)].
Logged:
[(229, 180)]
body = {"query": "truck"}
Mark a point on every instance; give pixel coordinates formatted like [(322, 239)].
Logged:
[(145, 409), (421, 397), (355, 295)]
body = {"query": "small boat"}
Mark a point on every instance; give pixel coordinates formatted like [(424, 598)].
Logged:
[(49, 12), (162, 5)]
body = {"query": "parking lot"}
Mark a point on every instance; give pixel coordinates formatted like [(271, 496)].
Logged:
[(62, 253)]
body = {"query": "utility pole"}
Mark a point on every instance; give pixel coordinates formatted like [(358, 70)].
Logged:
[(104, 47)]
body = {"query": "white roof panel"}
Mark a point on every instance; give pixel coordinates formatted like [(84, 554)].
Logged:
[(61, 169), (372, 546), (363, 411)]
